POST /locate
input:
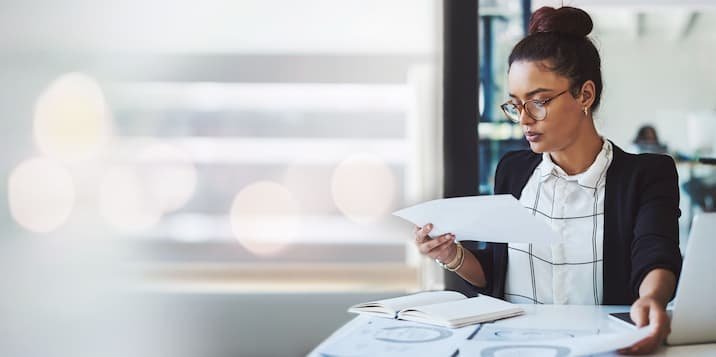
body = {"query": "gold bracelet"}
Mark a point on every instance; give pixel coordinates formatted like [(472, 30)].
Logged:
[(456, 258), (462, 259), (453, 261)]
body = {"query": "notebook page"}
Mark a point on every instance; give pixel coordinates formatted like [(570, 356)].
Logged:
[(420, 299), (481, 306)]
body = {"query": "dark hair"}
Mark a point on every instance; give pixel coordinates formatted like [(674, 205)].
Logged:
[(559, 37), (641, 135)]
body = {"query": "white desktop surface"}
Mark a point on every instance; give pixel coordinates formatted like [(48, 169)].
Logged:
[(578, 317)]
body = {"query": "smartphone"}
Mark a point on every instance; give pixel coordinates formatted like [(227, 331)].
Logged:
[(623, 317)]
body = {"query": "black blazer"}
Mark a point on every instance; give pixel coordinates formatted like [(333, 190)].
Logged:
[(641, 230)]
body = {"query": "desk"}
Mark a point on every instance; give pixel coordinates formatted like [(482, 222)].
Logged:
[(708, 160), (558, 317)]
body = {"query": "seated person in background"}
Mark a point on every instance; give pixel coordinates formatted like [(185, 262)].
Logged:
[(647, 141)]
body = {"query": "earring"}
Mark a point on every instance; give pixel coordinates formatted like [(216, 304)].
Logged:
[(585, 111)]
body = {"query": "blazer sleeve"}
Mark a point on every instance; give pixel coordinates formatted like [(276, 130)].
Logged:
[(513, 170), (491, 255), (656, 229)]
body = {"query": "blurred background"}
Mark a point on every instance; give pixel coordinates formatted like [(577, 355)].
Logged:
[(234, 164), (658, 92)]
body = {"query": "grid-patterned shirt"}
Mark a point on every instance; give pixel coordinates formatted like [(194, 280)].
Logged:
[(570, 271)]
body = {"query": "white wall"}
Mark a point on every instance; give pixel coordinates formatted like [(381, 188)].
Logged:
[(233, 26)]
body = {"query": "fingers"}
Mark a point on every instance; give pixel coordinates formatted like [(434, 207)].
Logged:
[(660, 321), (429, 245), (443, 252), (649, 313), (422, 233), (436, 248), (639, 313), (647, 345)]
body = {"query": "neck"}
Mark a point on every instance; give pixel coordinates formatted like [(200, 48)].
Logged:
[(578, 156)]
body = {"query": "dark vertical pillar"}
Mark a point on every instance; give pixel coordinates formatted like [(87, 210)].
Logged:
[(486, 68), (460, 109), (526, 13), (460, 112)]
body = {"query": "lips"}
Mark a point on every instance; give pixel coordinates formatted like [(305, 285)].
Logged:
[(532, 136)]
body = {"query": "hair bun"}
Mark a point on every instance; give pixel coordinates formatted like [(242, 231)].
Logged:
[(567, 19)]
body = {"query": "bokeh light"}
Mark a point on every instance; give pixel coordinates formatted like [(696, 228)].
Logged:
[(72, 122), (363, 188), (265, 217), (124, 201), (41, 195)]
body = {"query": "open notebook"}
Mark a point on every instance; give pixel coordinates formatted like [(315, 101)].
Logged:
[(443, 308)]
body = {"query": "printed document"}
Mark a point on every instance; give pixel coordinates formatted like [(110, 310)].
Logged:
[(498, 218)]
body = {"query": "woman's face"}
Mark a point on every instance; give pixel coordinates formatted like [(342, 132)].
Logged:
[(565, 115)]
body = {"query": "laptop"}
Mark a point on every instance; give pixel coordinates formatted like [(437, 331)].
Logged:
[(693, 317)]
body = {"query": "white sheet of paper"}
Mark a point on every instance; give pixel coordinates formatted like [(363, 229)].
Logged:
[(497, 332), (498, 218), (375, 336), (577, 346), (591, 345)]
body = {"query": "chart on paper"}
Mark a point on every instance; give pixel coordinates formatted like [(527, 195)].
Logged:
[(500, 341), (374, 336)]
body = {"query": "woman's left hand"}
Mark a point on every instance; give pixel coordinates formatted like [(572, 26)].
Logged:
[(649, 311)]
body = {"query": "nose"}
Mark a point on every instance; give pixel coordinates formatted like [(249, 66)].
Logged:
[(525, 118)]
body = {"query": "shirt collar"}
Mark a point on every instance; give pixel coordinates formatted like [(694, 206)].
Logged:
[(590, 178)]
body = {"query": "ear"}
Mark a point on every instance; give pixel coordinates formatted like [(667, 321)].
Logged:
[(588, 94)]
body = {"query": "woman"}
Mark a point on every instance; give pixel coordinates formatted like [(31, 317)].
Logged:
[(646, 136), (616, 212), (647, 141)]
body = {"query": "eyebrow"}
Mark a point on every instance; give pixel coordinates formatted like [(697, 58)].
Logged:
[(533, 92)]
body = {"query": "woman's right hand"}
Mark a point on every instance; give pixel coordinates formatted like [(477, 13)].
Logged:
[(441, 248)]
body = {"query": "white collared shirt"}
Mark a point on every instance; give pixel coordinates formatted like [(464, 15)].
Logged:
[(570, 271)]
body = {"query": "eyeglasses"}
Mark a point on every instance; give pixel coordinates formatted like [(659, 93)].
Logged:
[(535, 108)]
